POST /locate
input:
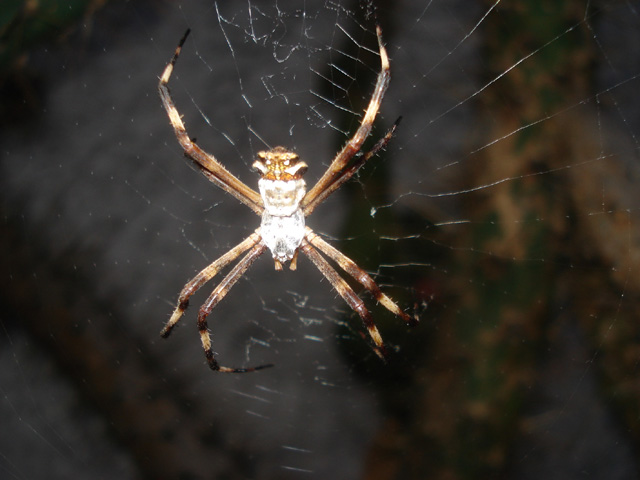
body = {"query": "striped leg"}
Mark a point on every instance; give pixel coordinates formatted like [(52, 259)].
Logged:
[(362, 277), (353, 146), (203, 277), (218, 294), (206, 163), (348, 172), (347, 293)]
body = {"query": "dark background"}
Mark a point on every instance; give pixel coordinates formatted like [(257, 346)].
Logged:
[(504, 213)]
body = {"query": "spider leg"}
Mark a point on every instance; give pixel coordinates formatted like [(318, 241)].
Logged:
[(218, 294), (207, 163), (203, 277), (348, 172), (347, 293), (355, 143), (362, 277)]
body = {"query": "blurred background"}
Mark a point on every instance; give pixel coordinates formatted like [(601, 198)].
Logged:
[(504, 213)]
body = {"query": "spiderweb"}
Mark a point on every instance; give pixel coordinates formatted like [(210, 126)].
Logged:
[(503, 212)]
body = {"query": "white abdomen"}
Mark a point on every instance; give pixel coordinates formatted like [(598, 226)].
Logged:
[(282, 227), (282, 235)]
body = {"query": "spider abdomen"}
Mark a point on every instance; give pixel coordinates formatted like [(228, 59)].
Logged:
[(282, 234), (282, 227)]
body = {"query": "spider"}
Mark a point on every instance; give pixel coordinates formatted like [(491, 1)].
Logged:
[(283, 203)]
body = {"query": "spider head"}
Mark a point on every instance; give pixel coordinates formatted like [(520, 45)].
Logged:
[(279, 164)]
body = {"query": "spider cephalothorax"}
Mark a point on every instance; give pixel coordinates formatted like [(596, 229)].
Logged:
[(280, 164), (283, 203)]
